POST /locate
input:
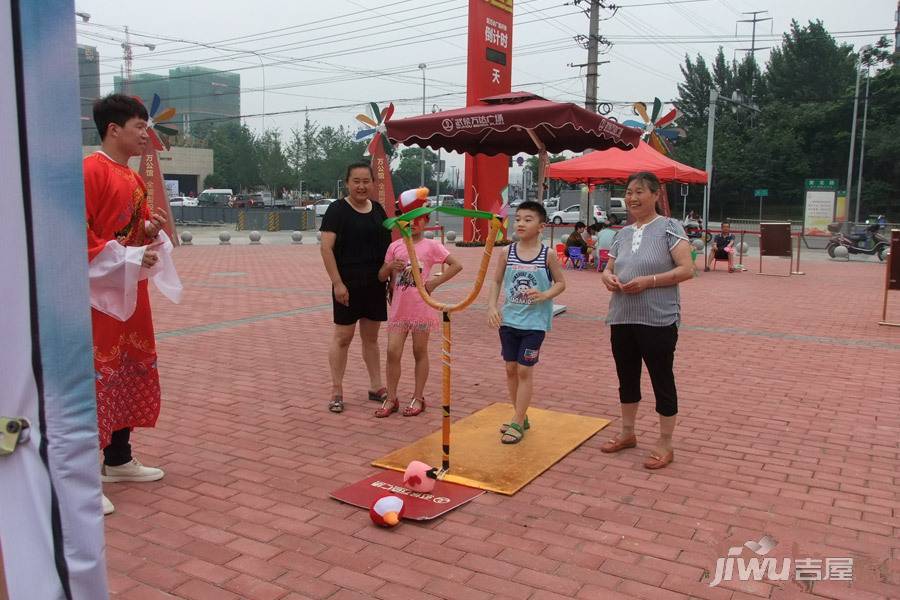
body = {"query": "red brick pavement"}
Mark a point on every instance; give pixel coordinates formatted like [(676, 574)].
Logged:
[(789, 426)]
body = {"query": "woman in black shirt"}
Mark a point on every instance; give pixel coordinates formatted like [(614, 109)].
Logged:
[(354, 243)]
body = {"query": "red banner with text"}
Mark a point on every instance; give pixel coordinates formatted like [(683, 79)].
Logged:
[(156, 190), (489, 74)]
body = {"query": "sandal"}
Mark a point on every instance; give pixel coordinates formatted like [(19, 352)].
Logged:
[(412, 410), (514, 432), (378, 396), (526, 426), (658, 462), (387, 407), (615, 445), (337, 404)]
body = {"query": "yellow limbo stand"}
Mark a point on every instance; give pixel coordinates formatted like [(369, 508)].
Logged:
[(403, 222)]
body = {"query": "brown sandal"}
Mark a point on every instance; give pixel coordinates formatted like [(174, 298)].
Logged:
[(615, 445), (412, 410), (658, 462), (387, 407), (378, 396)]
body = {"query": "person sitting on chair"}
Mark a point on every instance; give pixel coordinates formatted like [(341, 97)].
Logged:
[(723, 247), (576, 239)]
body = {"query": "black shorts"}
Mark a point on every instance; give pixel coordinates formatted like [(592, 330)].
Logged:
[(521, 345), (365, 303)]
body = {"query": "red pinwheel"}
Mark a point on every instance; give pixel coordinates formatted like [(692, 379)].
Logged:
[(376, 128), (159, 134)]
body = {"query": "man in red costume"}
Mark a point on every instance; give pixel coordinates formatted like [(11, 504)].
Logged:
[(122, 249)]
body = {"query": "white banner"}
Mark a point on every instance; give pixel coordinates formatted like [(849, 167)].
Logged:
[(818, 212), (51, 523)]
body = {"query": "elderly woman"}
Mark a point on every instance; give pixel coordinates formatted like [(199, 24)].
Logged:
[(647, 261), (354, 242)]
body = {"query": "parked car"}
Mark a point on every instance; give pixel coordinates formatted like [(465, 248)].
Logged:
[(569, 215), (551, 204), (215, 197), (241, 201), (600, 216), (320, 206), (263, 198), (182, 201), (617, 211)]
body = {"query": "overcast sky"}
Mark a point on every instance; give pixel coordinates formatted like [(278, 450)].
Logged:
[(317, 53)]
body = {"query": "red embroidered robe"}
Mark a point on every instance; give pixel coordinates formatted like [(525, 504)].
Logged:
[(127, 381)]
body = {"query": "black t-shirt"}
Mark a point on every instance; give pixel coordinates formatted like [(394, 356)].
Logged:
[(361, 243)]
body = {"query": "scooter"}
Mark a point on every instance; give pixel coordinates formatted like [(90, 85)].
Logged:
[(871, 243), (694, 230)]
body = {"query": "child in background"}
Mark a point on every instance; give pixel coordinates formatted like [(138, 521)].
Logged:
[(408, 312), (530, 276)]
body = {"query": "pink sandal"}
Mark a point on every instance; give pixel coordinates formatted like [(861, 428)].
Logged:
[(387, 407), (412, 410)]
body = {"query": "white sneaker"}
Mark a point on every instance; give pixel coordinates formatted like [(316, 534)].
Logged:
[(108, 507), (132, 471)]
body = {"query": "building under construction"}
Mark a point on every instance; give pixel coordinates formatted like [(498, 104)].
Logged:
[(198, 94)]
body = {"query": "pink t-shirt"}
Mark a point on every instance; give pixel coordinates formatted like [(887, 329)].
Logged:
[(408, 310)]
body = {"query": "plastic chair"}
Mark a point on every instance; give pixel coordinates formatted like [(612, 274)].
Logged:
[(577, 260), (561, 254), (602, 259), (719, 256)]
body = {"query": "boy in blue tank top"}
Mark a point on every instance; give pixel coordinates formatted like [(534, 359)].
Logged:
[(529, 276)]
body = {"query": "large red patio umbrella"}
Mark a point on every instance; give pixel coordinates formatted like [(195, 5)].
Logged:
[(513, 123), (614, 165)]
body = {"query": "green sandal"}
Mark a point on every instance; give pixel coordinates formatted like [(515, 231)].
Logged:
[(515, 432), (505, 426)]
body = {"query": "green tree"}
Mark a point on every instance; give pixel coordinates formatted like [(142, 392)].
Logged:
[(693, 100), (809, 66), (531, 164), (332, 150), (273, 167), (301, 149), (805, 96), (234, 155), (408, 172)]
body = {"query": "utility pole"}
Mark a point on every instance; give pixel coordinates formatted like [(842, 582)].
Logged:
[(590, 97), (753, 48)]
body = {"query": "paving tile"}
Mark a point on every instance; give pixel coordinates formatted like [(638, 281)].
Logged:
[(794, 435)]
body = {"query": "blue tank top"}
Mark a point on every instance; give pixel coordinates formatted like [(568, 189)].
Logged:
[(520, 276)]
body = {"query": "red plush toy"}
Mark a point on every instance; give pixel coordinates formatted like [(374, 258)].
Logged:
[(386, 511)]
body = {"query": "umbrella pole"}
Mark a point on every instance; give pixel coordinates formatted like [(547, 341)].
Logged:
[(542, 162), (446, 375)]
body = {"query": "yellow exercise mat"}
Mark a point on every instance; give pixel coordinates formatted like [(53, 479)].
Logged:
[(478, 459)]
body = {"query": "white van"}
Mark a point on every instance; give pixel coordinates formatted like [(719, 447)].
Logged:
[(214, 197)]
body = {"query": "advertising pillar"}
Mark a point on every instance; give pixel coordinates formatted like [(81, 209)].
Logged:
[(489, 74)]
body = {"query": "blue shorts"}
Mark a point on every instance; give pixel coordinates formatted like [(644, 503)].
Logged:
[(521, 345)]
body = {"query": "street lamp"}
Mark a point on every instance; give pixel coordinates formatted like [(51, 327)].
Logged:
[(865, 48), (862, 146), (714, 98), (85, 17), (423, 66)]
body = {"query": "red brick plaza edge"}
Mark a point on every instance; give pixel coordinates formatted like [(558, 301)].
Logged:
[(789, 423)]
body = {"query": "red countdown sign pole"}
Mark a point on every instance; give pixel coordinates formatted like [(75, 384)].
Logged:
[(489, 73)]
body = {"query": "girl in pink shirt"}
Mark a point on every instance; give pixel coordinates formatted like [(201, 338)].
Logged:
[(408, 313)]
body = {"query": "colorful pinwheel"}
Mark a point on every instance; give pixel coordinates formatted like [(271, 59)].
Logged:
[(159, 134), (659, 132), (376, 128)]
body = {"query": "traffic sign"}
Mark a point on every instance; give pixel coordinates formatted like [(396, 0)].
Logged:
[(761, 193), (821, 184)]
